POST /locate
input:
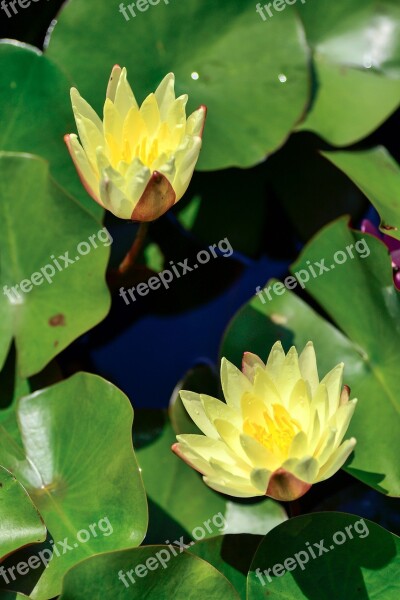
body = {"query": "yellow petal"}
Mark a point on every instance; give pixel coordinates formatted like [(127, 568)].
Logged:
[(112, 196), (165, 95), (136, 181), (314, 431), (342, 419), (333, 381), (300, 404), (195, 409), (241, 489), (325, 446), (288, 375), (265, 388), (124, 97), (195, 123), (134, 128), (151, 114), (258, 454), (215, 409), (83, 167), (253, 408), (275, 360), (230, 473), (299, 446), (234, 384), (186, 159), (320, 402), (231, 436), (91, 138), (337, 460), (177, 112), (193, 459), (208, 449), (82, 109), (308, 367), (113, 125)]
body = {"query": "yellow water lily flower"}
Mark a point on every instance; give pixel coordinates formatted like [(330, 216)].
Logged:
[(279, 432), (137, 162)]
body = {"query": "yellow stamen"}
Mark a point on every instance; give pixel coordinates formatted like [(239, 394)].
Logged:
[(277, 433)]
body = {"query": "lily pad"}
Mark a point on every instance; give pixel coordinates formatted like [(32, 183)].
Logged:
[(70, 446), (341, 554), (44, 319), (181, 577)]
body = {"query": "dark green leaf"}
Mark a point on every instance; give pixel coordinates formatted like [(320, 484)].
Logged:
[(326, 555)]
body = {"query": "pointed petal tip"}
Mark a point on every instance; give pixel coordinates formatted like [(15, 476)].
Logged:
[(204, 109)]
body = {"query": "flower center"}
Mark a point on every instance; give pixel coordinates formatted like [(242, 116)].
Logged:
[(277, 433), (147, 151)]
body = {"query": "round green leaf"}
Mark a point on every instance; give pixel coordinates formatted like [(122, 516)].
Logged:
[(360, 297), (223, 54), (181, 577), (36, 114), (46, 320), (70, 446), (20, 523), (334, 554), (357, 62)]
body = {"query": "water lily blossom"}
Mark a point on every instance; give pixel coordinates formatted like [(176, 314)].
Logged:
[(138, 161), (279, 432)]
